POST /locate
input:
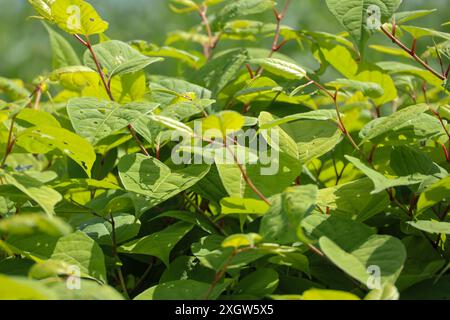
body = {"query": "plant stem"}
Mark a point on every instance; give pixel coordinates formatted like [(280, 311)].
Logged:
[(211, 42), (10, 143), (275, 44), (202, 212), (446, 151), (218, 276), (116, 256), (107, 87), (247, 178), (341, 124), (138, 141), (412, 53)]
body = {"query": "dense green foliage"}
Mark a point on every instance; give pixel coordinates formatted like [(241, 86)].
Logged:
[(346, 195)]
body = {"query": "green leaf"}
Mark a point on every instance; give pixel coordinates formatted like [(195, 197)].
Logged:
[(243, 206), (32, 186), (221, 70), (280, 223), (90, 290), (183, 290), (318, 294), (362, 17), (241, 240), (429, 290), (158, 244), (314, 138), (353, 200), (126, 228), (405, 16), (222, 124), (79, 250), (258, 284), (388, 292), (26, 224), (96, 119), (436, 193), (423, 262), (63, 54), (30, 117), (320, 115), (21, 288), (152, 50), (385, 253), (118, 58), (14, 89), (344, 232), (380, 181), (369, 89), (43, 139), (77, 17), (436, 227), (281, 68), (43, 7), (418, 33), (152, 178), (212, 255), (241, 8)]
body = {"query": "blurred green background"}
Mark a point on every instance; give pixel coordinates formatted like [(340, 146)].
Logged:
[(24, 47)]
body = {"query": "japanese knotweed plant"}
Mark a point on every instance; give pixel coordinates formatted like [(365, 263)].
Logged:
[(247, 174)]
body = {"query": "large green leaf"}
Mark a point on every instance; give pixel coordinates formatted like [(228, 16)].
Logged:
[(96, 119), (439, 191), (152, 178), (118, 58), (281, 68), (280, 223), (43, 139), (359, 17), (158, 244), (126, 228), (183, 290), (26, 224), (436, 227), (18, 288), (77, 17), (423, 262), (353, 200), (382, 182), (221, 70), (344, 232), (77, 249), (385, 253), (240, 8), (382, 126), (35, 189)]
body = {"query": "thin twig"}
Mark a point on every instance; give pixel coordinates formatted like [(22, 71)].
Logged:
[(211, 42), (276, 46), (10, 142), (116, 256), (412, 53), (107, 87)]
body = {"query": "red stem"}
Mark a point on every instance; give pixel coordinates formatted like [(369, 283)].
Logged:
[(412, 53)]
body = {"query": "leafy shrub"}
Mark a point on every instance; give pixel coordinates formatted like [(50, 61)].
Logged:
[(118, 183)]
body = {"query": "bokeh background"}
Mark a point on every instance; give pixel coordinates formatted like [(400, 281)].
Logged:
[(24, 47)]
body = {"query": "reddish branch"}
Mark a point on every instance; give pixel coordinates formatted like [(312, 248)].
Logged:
[(212, 41), (10, 143), (276, 45), (107, 87), (412, 52), (334, 97)]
